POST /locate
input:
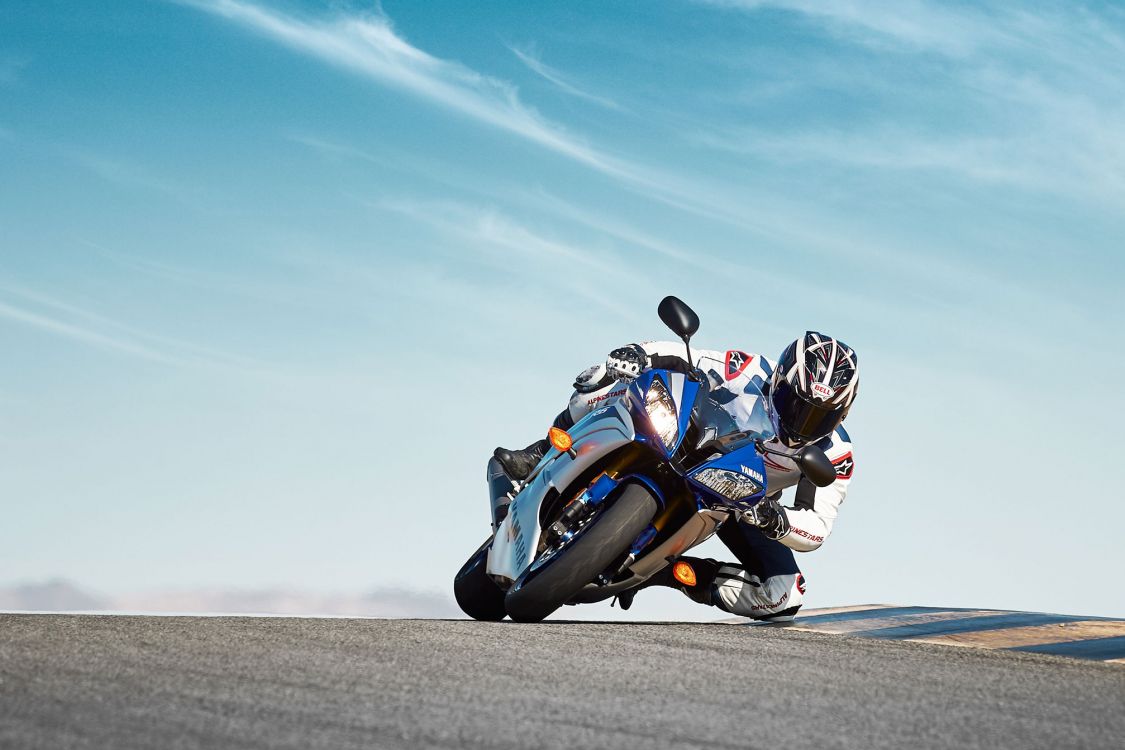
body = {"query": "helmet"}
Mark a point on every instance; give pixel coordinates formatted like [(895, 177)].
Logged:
[(812, 388)]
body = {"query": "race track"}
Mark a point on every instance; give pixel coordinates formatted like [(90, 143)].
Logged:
[(233, 682)]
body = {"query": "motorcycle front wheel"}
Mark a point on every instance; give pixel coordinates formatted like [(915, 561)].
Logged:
[(607, 537)]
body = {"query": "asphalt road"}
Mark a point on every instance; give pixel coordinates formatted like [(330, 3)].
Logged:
[(188, 682)]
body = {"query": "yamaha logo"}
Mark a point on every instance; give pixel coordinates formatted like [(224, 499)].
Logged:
[(753, 474)]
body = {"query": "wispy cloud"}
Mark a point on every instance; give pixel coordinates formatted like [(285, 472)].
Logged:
[(538, 199), (85, 335), (989, 159), (256, 287), (545, 262), (532, 60), (777, 221), (367, 44), (490, 228), (31, 308), (506, 244), (1057, 41), (612, 227), (1073, 36), (129, 174), (908, 24), (1022, 91), (462, 218), (473, 223)]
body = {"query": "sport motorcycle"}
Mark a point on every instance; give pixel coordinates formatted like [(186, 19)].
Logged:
[(628, 489)]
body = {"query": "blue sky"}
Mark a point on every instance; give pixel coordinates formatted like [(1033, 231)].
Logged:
[(275, 277)]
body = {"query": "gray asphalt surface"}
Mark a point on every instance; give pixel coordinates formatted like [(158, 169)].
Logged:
[(188, 682)]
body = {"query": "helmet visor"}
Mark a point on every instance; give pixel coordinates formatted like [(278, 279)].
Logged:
[(800, 419)]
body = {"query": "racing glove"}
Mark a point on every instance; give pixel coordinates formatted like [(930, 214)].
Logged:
[(626, 363), (769, 516)]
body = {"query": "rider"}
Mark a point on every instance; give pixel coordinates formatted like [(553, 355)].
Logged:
[(809, 391)]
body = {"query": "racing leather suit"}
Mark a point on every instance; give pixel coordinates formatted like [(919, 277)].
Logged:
[(766, 582)]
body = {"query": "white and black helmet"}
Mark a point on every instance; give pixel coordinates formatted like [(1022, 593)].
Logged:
[(812, 388)]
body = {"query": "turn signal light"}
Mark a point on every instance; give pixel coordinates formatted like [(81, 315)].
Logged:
[(560, 439), (684, 573)]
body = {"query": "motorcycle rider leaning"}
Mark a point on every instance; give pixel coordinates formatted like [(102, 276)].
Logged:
[(809, 391)]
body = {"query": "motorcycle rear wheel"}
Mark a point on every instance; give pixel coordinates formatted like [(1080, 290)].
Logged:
[(477, 595), (608, 536)]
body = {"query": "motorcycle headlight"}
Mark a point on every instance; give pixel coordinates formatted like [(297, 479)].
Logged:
[(729, 484), (661, 410)]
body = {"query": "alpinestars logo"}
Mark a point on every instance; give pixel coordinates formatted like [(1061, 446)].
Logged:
[(844, 466), (736, 363), (598, 399)]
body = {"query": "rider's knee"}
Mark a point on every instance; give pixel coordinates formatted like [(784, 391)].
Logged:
[(748, 596)]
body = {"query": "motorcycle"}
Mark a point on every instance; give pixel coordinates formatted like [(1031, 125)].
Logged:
[(628, 489)]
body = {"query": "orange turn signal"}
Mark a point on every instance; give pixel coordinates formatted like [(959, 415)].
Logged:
[(684, 573), (560, 439)]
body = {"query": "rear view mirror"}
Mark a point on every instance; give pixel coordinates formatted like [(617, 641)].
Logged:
[(678, 316), (815, 465)]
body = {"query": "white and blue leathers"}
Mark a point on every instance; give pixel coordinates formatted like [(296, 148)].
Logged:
[(767, 583)]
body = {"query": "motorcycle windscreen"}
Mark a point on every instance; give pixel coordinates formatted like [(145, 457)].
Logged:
[(736, 406)]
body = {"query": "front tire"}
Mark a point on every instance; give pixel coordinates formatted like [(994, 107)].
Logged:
[(607, 538), (477, 595)]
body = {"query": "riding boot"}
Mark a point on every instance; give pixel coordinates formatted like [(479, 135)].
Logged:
[(518, 464)]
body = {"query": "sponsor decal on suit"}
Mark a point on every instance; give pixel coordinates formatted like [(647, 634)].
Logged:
[(736, 363), (771, 605), (811, 537), (604, 396), (844, 466)]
